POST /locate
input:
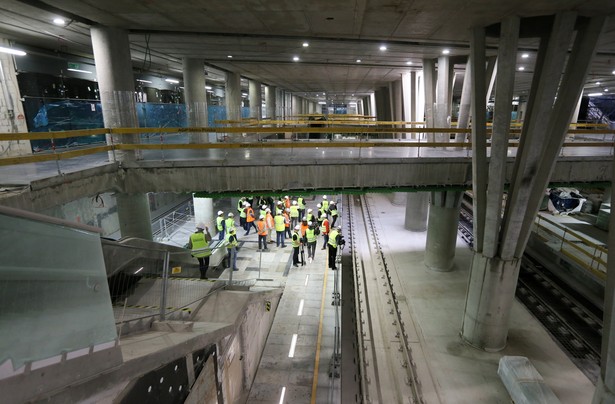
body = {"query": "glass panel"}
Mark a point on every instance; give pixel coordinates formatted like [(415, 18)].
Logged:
[(53, 291)]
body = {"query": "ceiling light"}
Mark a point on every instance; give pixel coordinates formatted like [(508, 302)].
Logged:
[(12, 51), (359, 61), (597, 83), (296, 58), (79, 71), (306, 44), (613, 72), (383, 47), (173, 81), (229, 56), (207, 87), (322, 102), (606, 90), (144, 81), (521, 68), (594, 94), (525, 55), (408, 62), (446, 51), (59, 21)]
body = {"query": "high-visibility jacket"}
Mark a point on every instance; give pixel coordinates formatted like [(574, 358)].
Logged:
[(286, 219), (324, 228), (294, 211), (269, 221), (321, 216), (278, 209), (250, 214), (280, 224), (301, 202), (296, 242), (325, 205), (287, 203), (333, 211), (243, 213), (310, 217), (231, 240), (240, 205), (200, 247), (304, 227), (262, 228), (229, 223), (220, 223), (262, 212), (311, 236), (333, 238)]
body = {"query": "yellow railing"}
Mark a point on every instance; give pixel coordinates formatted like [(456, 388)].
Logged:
[(115, 142), (575, 246)]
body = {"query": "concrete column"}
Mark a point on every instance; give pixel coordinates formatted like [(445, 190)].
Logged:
[(464, 104), (256, 99), (429, 85), (195, 97), (442, 99), (396, 103), (398, 198), (372, 105), (116, 86), (442, 230), (294, 107), (419, 90), (233, 96), (204, 213), (360, 107), (270, 102), (417, 209)]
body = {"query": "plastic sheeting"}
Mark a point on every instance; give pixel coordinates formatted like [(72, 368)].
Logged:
[(523, 382)]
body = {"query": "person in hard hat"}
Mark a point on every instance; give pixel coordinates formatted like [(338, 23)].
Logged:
[(286, 214), (220, 225), (301, 206), (231, 247), (229, 223), (199, 244), (280, 223), (270, 225), (310, 238), (335, 240), (310, 216), (250, 218), (262, 233), (296, 243), (333, 212), (294, 214)]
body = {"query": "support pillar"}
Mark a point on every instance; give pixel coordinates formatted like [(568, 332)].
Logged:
[(429, 85), (464, 104), (399, 198), (256, 99), (195, 97), (397, 104), (233, 96), (442, 230), (116, 85), (417, 208), (442, 99), (204, 213)]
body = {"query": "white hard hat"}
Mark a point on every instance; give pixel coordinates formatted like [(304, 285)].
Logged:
[(246, 204), (324, 197), (267, 210), (201, 225), (297, 227), (294, 202), (279, 202), (264, 207), (288, 209), (319, 205), (230, 214), (309, 223), (261, 217), (286, 197), (220, 212), (339, 228), (309, 210)]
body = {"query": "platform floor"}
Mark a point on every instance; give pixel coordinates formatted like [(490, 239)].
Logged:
[(435, 300)]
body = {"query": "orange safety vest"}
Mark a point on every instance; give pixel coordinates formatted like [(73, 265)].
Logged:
[(287, 220), (269, 220), (249, 214), (262, 228), (287, 203), (303, 229)]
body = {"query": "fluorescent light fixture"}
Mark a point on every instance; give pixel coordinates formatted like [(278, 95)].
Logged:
[(306, 44), (138, 270), (207, 87), (594, 94), (515, 103), (613, 72), (359, 61), (300, 311), (59, 21), (383, 47), (521, 68), (408, 62), (295, 58), (293, 343), (79, 71), (282, 395), (525, 55), (12, 51), (229, 56), (597, 83), (445, 51), (144, 81), (606, 90), (172, 81)]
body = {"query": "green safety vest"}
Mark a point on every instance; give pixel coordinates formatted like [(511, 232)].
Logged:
[(334, 212), (301, 202), (325, 205), (230, 223), (200, 247), (279, 223), (294, 211), (310, 217), (332, 238), (323, 228), (219, 224), (243, 213), (311, 237), (296, 239), (240, 205), (231, 240)]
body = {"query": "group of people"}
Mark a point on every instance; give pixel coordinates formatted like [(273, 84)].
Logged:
[(279, 216)]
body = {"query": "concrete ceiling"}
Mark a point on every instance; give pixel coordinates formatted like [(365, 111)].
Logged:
[(263, 36)]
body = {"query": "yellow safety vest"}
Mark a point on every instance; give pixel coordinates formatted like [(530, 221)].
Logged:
[(296, 239), (200, 247), (279, 223), (311, 237), (332, 238), (219, 221)]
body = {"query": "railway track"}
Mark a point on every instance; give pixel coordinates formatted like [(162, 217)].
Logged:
[(386, 368)]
